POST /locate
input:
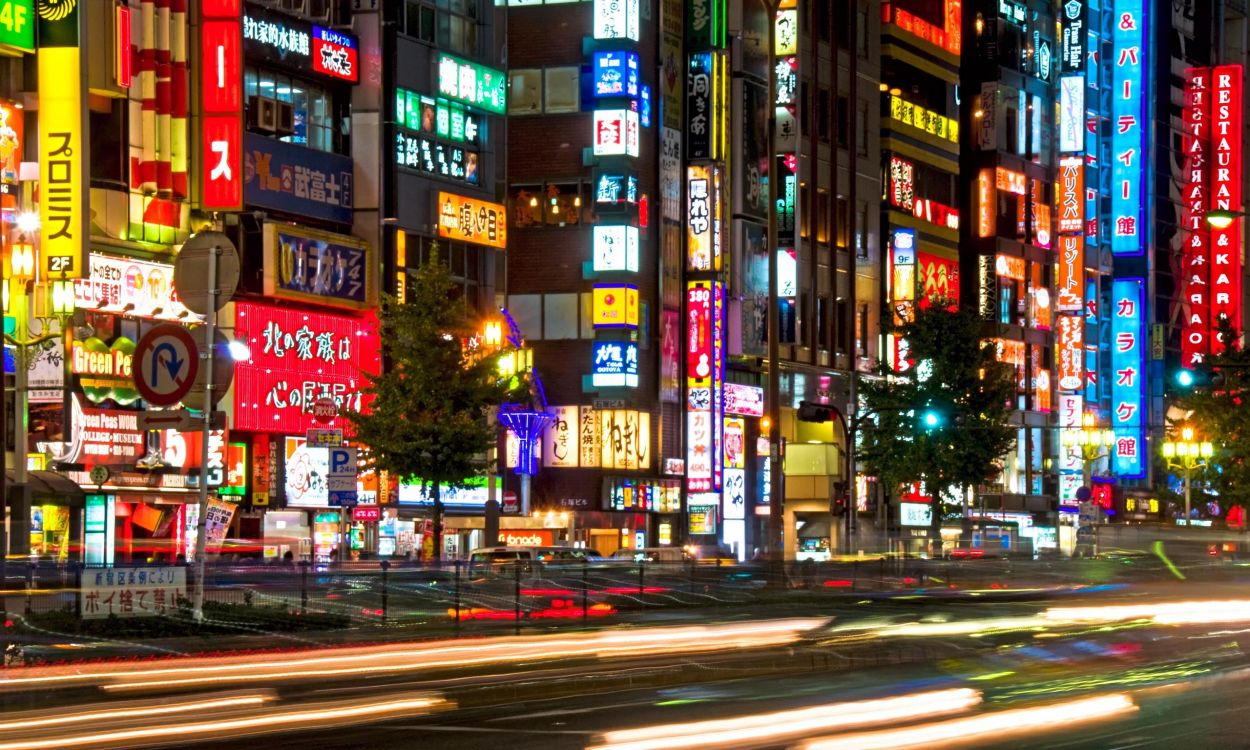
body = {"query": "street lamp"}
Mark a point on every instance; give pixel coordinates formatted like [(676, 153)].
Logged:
[(1223, 218), (1093, 443), (1188, 454)]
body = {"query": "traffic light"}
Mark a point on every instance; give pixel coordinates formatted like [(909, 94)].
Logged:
[(809, 412), (930, 419), (1199, 376)]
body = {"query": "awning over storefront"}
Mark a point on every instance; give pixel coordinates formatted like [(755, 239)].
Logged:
[(49, 487)]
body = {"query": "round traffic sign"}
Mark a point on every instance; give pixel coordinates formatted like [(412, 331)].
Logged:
[(325, 409), (191, 271), (166, 362)]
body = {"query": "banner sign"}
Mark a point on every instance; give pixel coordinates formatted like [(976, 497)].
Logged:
[(221, 105), (1196, 260), (297, 357), (1130, 103), (321, 267), (471, 220), (1226, 180), (286, 177), (145, 591), (1128, 383)]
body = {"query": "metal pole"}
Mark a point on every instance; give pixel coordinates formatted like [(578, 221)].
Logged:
[(776, 513), (1189, 470), (525, 495), (201, 523)]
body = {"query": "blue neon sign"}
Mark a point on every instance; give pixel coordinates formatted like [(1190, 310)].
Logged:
[(1129, 108), (615, 74), (615, 364), (1128, 381)]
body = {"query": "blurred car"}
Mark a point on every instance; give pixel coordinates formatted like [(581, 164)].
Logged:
[(652, 554), (709, 554), (503, 560)]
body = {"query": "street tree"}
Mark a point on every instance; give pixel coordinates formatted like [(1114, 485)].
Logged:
[(428, 418), (944, 418), (1215, 406)]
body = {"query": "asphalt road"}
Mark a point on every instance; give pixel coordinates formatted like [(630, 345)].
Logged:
[(1169, 675)]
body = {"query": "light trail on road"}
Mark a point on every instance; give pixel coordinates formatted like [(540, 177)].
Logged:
[(416, 656), (770, 727)]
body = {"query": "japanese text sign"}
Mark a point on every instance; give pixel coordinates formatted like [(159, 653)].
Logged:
[(313, 266), (614, 306), (297, 357), (132, 592), (63, 221), (473, 84), (471, 220), (1130, 96), (1128, 383), (294, 179), (221, 102), (614, 364)]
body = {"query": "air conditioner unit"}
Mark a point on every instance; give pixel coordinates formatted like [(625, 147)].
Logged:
[(262, 114), (284, 123)]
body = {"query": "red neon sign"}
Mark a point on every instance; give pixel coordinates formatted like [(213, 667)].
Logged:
[(1226, 193), (699, 333), (221, 101), (297, 357), (122, 71), (1195, 260), (334, 54)]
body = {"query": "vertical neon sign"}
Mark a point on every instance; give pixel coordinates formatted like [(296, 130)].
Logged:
[(1226, 194), (1128, 392), (1195, 286), (1128, 128)]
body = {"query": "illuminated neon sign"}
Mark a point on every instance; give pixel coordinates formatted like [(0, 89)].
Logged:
[(473, 84), (615, 248), (1129, 105), (1226, 121), (1196, 281), (1128, 383), (615, 74), (616, 19), (616, 132), (614, 364)]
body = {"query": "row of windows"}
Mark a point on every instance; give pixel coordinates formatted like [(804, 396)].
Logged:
[(314, 119), (569, 203), (552, 317), (533, 91), (451, 24)]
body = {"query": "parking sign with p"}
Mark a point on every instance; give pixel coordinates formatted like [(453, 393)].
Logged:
[(341, 478)]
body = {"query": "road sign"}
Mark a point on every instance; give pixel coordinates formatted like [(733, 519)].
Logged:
[(325, 409), (181, 420), (165, 364), (341, 478), (223, 367), (511, 503), (191, 271)]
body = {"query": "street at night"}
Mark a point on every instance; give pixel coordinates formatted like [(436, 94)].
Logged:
[(624, 374)]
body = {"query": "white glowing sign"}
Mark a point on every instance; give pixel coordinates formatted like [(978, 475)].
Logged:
[(616, 132), (615, 248)]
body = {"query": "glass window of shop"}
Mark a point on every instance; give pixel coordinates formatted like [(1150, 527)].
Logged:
[(450, 24), (314, 116), (465, 261), (552, 204)]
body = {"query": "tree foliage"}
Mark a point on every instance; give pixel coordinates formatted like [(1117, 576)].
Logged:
[(1219, 413), (954, 372), (428, 416)]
